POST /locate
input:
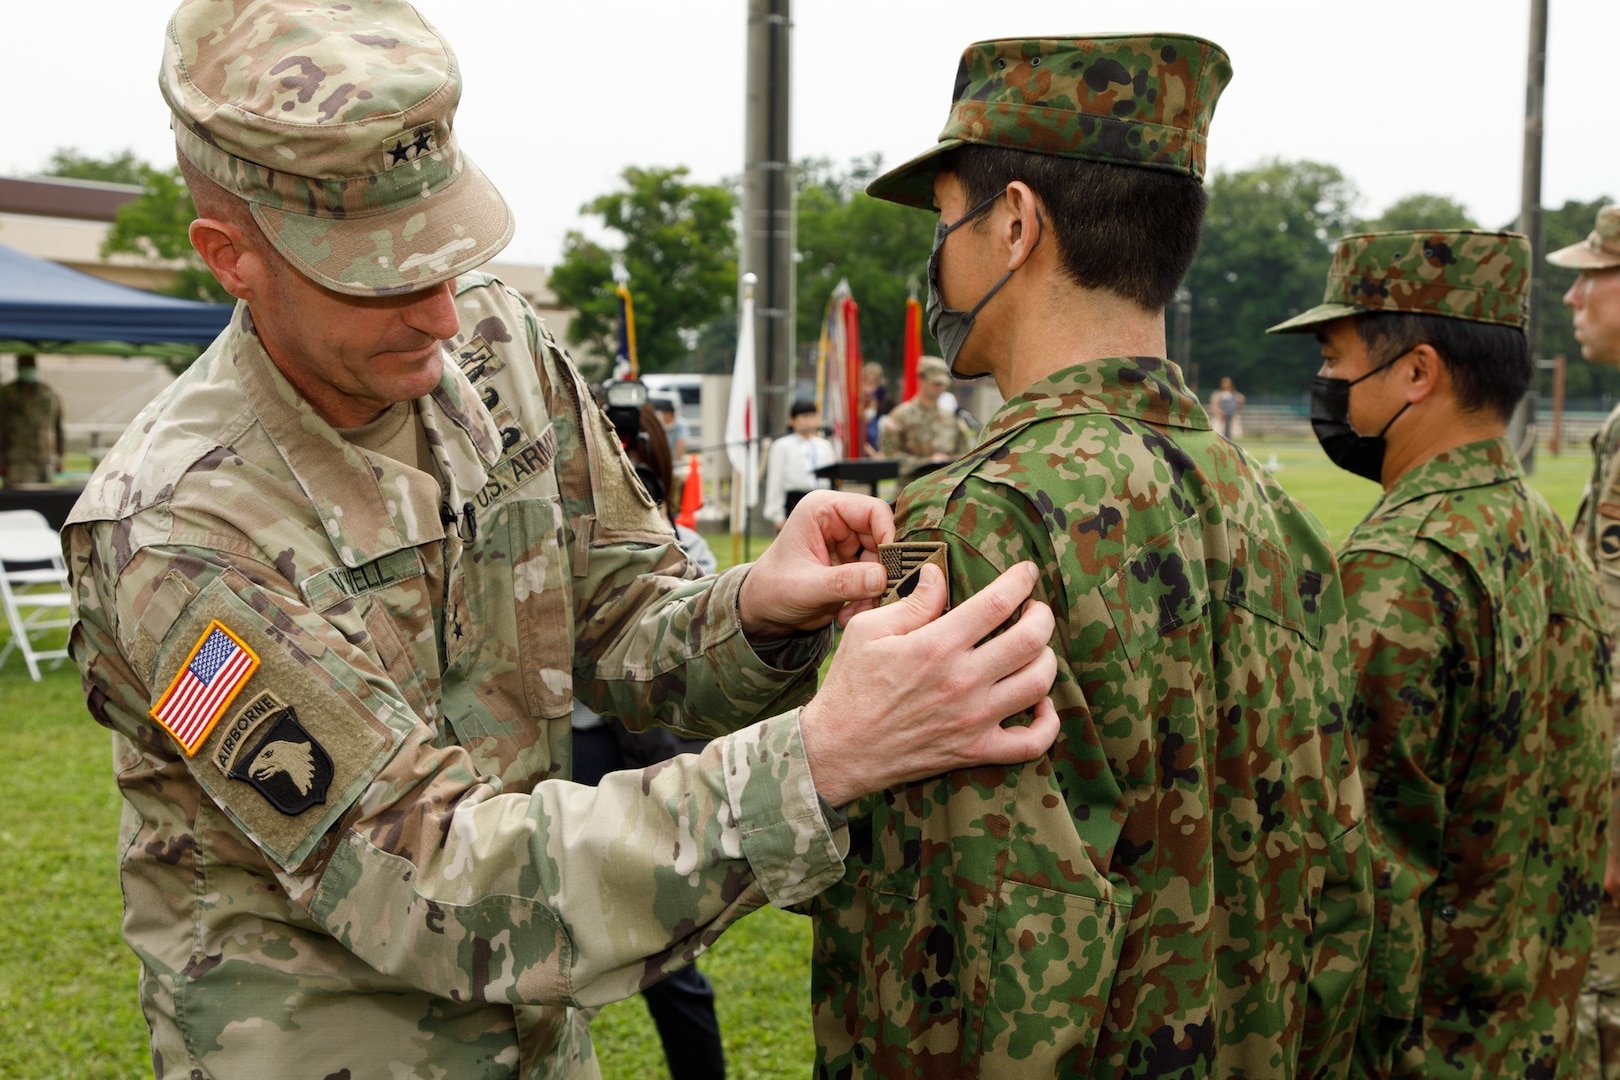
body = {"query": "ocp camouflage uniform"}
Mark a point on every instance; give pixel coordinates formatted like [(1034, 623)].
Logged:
[(1597, 529), (914, 433), (362, 870), (31, 439), (1179, 888), (1481, 722)]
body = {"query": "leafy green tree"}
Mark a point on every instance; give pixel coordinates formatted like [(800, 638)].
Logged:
[(1423, 212), (1264, 257), (880, 247), (125, 168), (677, 241)]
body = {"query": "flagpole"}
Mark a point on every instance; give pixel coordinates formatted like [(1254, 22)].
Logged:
[(742, 424)]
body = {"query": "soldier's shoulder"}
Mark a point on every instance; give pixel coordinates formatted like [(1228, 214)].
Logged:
[(191, 418)]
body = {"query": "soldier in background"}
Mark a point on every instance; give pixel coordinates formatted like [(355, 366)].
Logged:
[(1482, 706), (1179, 887), (337, 586), (1594, 302), (921, 433), (31, 439)]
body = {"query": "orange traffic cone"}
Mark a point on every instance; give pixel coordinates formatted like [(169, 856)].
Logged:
[(691, 495)]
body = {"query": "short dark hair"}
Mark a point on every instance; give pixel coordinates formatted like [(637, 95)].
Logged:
[(801, 407), (1489, 363), (1126, 229)]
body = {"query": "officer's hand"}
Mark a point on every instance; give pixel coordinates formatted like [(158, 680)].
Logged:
[(824, 558), (912, 694)]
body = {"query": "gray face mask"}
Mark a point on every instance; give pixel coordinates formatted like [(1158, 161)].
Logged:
[(950, 326)]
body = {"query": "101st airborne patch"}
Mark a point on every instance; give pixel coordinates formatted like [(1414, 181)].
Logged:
[(903, 562)]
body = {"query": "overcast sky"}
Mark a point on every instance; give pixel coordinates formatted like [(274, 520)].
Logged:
[(561, 95)]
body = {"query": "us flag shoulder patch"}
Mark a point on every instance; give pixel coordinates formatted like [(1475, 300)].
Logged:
[(214, 673)]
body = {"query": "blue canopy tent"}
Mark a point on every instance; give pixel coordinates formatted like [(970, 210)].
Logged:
[(47, 308)]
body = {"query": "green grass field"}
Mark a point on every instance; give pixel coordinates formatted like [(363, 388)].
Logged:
[(67, 983)]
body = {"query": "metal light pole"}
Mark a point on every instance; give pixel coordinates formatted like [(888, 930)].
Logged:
[(767, 204), (1522, 426)]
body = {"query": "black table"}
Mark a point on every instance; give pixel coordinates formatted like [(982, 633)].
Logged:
[(54, 502), (867, 471)]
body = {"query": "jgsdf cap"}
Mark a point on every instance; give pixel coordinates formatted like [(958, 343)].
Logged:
[(1129, 99), (1601, 248), (334, 122), (1458, 273)]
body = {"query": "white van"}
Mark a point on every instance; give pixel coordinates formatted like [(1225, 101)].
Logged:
[(687, 392)]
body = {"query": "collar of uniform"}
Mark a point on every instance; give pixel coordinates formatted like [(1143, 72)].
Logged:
[(368, 506), (461, 434), (1145, 388), (1476, 464)]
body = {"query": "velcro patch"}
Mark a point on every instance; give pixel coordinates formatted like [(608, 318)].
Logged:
[(903, 563), (286, 765), (214, 673)]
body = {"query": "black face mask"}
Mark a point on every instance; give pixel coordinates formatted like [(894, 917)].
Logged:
[(1330, 420)]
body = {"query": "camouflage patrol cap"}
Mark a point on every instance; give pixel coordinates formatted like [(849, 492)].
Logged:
[(1129, 99), (333, 121), (1601, 248), (1458, 273), (933, 369)]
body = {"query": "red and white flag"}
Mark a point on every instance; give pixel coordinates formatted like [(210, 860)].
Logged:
[(217, 669)]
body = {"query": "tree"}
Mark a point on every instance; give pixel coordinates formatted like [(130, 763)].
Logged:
[(879, 246), (126, 168), (1264, 256), (1423, 212), (677, 242)]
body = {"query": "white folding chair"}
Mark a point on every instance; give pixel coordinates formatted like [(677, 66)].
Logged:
[(33, 587)]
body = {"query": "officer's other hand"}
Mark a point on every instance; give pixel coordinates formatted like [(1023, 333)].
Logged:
[(824, 558), (912, 694)]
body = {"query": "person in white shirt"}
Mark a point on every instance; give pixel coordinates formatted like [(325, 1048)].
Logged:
[(790, 474)]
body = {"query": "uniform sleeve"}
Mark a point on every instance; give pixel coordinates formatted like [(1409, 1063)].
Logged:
[(1415, 632), (651, 645), (390, 840)]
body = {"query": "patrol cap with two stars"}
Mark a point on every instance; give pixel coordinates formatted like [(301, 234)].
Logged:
[(1128, 99), (1458, 273), (333, 120), (1601, 248)]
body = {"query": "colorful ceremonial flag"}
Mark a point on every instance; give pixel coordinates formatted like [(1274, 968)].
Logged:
[(742, 412), (832, 369), (625, 357), (217, 669), (913, 346)]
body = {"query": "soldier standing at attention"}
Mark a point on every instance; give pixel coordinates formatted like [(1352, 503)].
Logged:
[(30, 428), (1594, 301), (919, 432), (338, 585), (1482, 707), (1179, 887)]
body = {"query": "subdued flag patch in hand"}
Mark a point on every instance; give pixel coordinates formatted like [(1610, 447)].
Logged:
[(903, 562), (215, 672)]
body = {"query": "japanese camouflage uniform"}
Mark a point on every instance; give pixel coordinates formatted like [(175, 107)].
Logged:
[(30, 432), (340, 686), (1179, 887), (1482, 713), (1597, 530), (914, 432)]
